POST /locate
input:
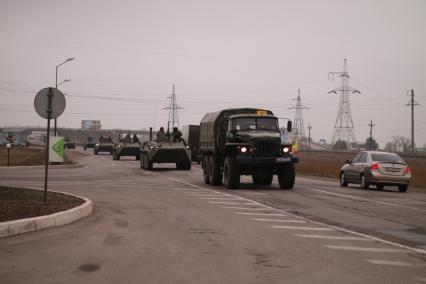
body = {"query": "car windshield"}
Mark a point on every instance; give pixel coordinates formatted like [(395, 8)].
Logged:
[(387, 157), (253, 123)]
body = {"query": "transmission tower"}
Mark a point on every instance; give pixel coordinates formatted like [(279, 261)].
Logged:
[(173, 110), (344, 131), (299, 128)]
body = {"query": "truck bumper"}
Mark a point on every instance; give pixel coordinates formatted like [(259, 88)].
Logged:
[(253, 161)]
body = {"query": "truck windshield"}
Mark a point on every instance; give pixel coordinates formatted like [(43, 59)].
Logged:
[(255, 123)]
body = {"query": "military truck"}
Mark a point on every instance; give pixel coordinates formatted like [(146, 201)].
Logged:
[(191, 134), (165, 150), (127, 145), (90, 143), (245, 141)]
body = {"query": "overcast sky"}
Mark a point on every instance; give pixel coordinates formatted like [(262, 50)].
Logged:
[(219, 54)]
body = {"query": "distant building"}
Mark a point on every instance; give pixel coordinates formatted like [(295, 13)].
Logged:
[(91, 124), (14, 136)]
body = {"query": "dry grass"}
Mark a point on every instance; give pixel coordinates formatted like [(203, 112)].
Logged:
[(30, 156), (328, 164)]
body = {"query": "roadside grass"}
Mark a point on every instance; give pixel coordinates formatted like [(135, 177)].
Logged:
[(328, 164)]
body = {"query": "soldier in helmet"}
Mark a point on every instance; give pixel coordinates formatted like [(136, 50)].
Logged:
[(161, 135)]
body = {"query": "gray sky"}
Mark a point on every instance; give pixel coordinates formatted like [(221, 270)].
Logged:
[(219, 54)]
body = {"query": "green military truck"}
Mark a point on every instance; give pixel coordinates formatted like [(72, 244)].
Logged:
[(245, 141)]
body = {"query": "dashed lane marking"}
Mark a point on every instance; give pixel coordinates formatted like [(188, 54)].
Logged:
[(368, 249), (331, 227), (302, 228), (365, 199), (333, 237), (279, 220), (225, 202), (391, 262), (261, 214), (220, 198)]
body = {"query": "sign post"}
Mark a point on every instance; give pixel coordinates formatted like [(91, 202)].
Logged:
[(8, 146), (49, 103)]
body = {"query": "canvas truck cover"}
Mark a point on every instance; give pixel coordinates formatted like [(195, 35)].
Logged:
[(213, 127)]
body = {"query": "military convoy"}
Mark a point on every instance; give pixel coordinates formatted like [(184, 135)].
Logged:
[(245, 141), (126, 146), (90, 143), (166, 150)]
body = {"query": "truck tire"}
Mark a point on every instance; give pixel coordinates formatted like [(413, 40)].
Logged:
[(95, 152), (215, 174), (262, 179), (206, 169), (115, 156), (138, 157), (231, 173), (286, 176), (149, 164), (142, 161)]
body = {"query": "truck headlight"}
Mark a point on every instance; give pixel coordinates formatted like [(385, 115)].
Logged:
[(286, 150), (244, 149)]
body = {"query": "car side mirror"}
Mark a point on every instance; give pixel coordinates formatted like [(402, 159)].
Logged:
[(348, 162), (289, 126)]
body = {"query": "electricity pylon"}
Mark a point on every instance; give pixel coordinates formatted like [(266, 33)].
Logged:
[(173, 110), (299, 128), (344, 131)]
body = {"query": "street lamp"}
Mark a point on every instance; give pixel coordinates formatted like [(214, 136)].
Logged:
[(56, 86)]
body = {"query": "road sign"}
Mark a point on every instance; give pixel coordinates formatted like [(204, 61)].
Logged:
[(57, 103), (56, 149)]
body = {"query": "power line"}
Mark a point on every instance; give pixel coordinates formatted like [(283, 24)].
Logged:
[(173, 109), (412, 103), (299, 128)]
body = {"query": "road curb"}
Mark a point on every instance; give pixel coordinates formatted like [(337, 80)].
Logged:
[(21, 226), (71, 166)]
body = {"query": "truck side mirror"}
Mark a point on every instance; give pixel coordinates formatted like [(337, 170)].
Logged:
[(289, 126)]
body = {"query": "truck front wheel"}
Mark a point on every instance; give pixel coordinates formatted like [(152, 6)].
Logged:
[(231, 173), (286, 176)]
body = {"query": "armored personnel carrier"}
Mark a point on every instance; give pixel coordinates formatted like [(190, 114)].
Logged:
[(127, 146), (103, 145), (89, 143), (165, 151)]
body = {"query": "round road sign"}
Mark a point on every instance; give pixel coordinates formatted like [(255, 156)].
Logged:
[(41, 103)]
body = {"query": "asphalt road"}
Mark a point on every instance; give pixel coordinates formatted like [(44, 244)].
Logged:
[(167, 226)]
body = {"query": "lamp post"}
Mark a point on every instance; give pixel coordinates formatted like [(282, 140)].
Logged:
[(56, 86)]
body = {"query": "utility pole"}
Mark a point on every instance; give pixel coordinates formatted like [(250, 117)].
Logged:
[(173, 109), (298, 127), (309, 137), (412, 103), (344, 131), (371, 133)]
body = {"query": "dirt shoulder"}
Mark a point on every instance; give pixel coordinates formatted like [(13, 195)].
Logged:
[(21, 203)]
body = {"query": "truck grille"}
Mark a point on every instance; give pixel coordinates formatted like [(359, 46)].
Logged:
[(267, 146)]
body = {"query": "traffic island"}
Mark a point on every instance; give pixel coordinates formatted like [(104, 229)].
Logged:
[(22, 210)]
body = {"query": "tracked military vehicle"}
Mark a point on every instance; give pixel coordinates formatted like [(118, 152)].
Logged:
[(245, 141), (127, 146), (165, 151)]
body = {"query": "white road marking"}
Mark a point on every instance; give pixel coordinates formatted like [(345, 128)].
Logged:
[(220, 198), (279, 220), (389, 262), (333, 237), (261, 214), (369, 249), (245, 208), (301, 228), (417, 250), (223, 202), (364, 199)]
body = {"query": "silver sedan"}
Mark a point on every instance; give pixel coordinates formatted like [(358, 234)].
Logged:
[(376, 168)]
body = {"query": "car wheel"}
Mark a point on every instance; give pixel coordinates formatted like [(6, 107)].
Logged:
[(403, 188), (363, 182), (343, 180)]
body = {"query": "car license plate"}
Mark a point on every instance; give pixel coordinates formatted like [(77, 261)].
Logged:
[(393, 170), (284, 159)]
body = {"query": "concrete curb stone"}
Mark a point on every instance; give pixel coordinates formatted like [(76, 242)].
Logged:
[(21, 226), (71, 166)]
